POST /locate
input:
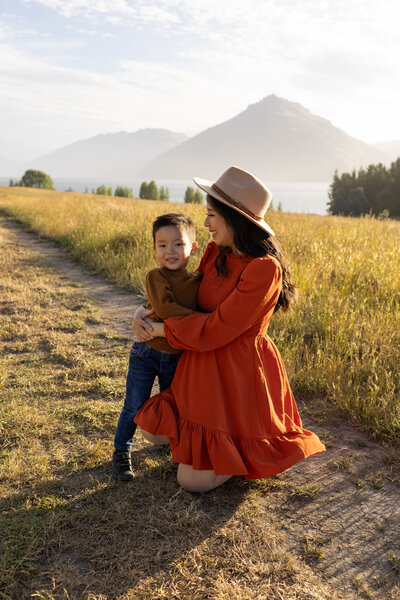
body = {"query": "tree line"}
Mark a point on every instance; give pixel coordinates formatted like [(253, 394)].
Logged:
[(148, 190), (374, 190)]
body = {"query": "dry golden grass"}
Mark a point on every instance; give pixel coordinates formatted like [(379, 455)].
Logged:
[(111, 235), (342, 341), (67, 530)]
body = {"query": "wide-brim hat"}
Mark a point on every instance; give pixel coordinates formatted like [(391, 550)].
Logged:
[(243, 192)]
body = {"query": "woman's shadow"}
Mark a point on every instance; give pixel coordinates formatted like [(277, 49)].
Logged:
[(96, 536)]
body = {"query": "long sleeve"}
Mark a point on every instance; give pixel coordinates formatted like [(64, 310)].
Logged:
[(255, 294), (162, 298)]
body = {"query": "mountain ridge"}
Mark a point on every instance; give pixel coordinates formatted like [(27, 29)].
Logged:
[(279, 140)]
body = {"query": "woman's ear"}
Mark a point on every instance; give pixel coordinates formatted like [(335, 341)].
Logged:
[(194, 248)]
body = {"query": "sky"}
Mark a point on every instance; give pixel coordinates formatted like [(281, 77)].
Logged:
[(72, 69)]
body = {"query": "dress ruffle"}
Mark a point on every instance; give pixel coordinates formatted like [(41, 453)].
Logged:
[(225, 454)]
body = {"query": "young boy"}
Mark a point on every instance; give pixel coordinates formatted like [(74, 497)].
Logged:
[(171, 292)]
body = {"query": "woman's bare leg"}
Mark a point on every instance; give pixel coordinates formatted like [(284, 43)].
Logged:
[(199, 481), (155, 439)]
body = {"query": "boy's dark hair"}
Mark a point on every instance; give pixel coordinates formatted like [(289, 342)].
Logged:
[(178, 220)]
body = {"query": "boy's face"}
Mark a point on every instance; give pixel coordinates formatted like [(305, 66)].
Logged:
[(173, 248)]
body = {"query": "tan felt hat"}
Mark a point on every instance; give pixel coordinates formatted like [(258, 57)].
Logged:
[(243, 192)]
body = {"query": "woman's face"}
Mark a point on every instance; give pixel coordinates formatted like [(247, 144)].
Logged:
[(221, 232)]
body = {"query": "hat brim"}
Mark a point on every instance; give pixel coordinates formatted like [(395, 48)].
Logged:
[(206, 186)]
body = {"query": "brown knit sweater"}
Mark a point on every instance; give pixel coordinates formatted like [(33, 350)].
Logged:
[(171, 294)]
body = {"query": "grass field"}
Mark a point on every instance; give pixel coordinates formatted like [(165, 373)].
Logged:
[(68, 532), (341, 343)]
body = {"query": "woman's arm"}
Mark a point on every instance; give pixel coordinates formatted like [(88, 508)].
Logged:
[(255, 294)]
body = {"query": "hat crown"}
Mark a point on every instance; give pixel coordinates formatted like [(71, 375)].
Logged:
[(243, 192), (246, 189)]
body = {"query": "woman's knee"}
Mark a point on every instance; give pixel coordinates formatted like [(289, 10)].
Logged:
[(159, 440), (199, 481), (188, 479)]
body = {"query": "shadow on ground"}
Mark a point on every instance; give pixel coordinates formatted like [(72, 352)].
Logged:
[(72, 522)]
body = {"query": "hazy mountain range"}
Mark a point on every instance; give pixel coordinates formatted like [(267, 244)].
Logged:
[(112, 156), (276, 139)]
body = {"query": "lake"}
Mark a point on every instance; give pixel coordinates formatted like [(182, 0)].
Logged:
[(294, 197)]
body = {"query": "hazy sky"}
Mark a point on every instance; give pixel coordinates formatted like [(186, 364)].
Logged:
[(71, 69)]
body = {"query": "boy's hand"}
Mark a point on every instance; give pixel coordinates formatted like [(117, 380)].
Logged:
[(142, 329)]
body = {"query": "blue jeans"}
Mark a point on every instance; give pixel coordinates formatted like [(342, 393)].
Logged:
[(145, 364)]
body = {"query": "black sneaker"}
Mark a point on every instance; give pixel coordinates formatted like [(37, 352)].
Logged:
[(122, 465)]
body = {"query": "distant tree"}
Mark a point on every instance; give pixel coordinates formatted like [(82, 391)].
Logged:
[(393, 204), (143, 192), (280, 209), (152, 191), (86, 190), (36, 179), (164, 194), (193, 196), (387, 201), (123, 192), (198, 197), (338, 192), (189, 195), (337, 195), (102, 190), (357, 202)]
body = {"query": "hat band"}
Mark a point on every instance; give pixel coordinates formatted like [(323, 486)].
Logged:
[(234, 203)]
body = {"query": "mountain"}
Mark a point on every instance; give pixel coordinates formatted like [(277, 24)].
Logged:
[(108, 156), (391, 148), (275, 139)]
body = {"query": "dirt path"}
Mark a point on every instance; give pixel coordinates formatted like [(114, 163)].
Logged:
[(340, 510), (118, 305)]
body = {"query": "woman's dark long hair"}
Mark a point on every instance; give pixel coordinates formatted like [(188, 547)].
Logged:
[(253, 241)]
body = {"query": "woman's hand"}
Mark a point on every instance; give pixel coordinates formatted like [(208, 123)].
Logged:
[(141, 326)]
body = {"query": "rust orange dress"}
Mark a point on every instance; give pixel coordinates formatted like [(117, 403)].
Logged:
[(230, 407)]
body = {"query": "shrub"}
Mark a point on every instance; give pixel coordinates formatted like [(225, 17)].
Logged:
[(36, 179)]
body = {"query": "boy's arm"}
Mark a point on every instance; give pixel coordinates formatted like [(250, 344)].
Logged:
[(161, 297)]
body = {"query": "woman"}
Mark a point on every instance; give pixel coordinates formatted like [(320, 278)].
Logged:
[(230, 410)]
